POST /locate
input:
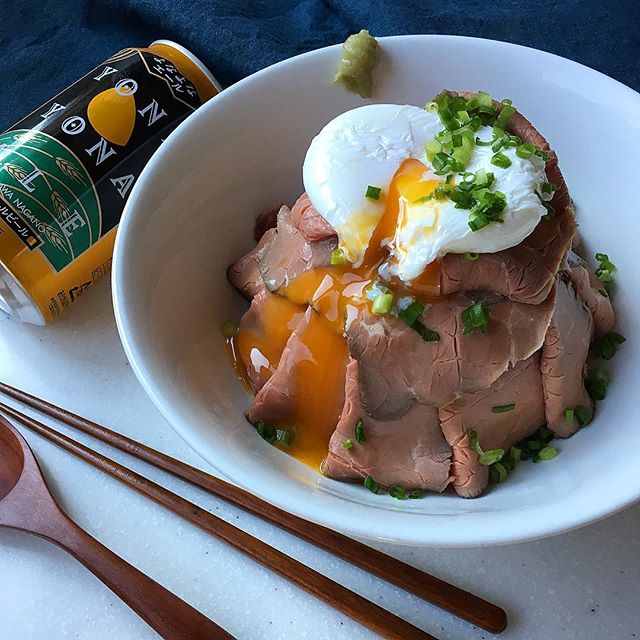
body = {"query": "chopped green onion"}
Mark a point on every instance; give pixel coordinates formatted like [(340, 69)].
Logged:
[(360, 437), (491, 457), (229, 329), (605, 269), (542, 154), (483, 143), (607, 345), (432, 107), (371, 484), (484, 99), (503, 408), (548, 453), (373, 193), (531, 447), (471, 257), (548, 187), (266, 431), (525, 150), (283, 436), (498, 472), (338, 257), (411, 313), (515, 453), (500, 160), (596, 383), (583, 415), (504, 116), (473, 441), (603, 292), (485, 458), (398, 493), (382, 303), (428, 335), (415, 494), (569, 416), (550, 210), (476, 316), (348, 443)]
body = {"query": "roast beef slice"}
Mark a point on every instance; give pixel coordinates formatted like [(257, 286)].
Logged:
[(521, 386), (396, 366), (564, 356), (409, 451)]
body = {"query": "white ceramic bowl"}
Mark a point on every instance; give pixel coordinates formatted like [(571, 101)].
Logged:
[(191, 214)]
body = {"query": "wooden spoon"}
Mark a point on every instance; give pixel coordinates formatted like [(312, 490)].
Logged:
[(27, 505)]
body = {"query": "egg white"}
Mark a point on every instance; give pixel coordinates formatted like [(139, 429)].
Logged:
[(367, 145)]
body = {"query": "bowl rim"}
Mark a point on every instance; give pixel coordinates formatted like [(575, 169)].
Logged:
[(537, 528)]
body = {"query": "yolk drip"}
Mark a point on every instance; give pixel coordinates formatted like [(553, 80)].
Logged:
[(318, 384), (336, 293), (259, 347)]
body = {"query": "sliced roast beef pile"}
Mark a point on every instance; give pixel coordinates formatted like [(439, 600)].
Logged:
[(409, 403)]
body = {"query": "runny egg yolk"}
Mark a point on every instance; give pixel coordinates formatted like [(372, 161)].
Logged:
[(336, 294)]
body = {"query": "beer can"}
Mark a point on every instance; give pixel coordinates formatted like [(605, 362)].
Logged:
[(67, 169)]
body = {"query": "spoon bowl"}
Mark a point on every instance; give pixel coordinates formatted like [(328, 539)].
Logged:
[(27, 505), (12, 461)]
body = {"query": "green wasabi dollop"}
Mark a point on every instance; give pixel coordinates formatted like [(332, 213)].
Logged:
[(360, 56)]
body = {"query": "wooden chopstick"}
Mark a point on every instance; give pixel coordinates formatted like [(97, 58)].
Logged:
[(367, 613), (438, 592)]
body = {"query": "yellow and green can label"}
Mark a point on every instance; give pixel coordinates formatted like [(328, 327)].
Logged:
[(67, 169)]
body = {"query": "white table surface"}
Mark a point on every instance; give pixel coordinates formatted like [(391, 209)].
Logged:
[(581, 585)]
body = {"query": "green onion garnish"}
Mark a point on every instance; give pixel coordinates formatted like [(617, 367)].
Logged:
[(605, 269), (596, 383), (503, 408), (485, 458), (542, 154), (411, 313), (415, 494), (504, 116), (283, 436), (603, 292), (500, 160), (371, 484), (274, 435), (498, 472), (488, 458), (229, 329), (360, 437), (525, 150), (476, 316), (471, 257), (428, 335), (607, 346), (338, 257), (432, 107), (548, 187), (483, 143), (266, 431), (382, 303), (373, 193), (398, 493), (583, 415), (515, 453), (410, 317), (348, 443), (569, 416), (548, 453), (530, 447)]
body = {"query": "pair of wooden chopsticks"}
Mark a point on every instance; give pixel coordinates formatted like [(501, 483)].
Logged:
[(444, 595)]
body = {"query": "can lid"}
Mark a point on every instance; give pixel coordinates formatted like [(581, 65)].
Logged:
[(201, 65), (15, 301)]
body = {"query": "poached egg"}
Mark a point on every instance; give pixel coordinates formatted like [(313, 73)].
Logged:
[(383, 146)]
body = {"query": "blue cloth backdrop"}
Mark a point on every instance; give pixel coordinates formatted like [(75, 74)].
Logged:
[(46, 44)]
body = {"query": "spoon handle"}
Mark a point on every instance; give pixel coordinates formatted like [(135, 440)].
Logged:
[(163, 611)]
